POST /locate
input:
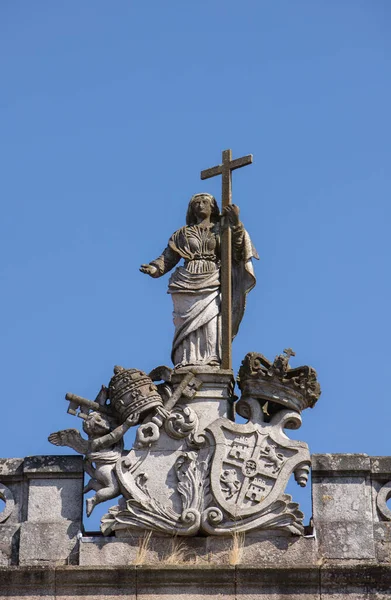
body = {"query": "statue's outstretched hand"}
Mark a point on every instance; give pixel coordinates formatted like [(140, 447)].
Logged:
[(132, 419), (232, 214), (149, 270)]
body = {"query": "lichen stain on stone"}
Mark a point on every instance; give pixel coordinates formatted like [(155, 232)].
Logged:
[(326, 498)]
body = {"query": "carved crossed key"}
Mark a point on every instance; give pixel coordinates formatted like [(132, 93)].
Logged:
[(225, 169)]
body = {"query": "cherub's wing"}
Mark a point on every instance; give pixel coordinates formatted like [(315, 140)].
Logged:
[(161, 373), (71, 438)]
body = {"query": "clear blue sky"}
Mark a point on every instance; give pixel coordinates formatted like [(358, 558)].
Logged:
[(109, 110)]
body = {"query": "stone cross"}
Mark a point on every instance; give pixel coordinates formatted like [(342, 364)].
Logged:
[(289, 352), (225, 169)]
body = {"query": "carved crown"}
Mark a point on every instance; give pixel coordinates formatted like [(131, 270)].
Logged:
[(132, 391), (277, 382)]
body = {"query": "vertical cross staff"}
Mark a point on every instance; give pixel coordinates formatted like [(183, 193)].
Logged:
[(225, 169)]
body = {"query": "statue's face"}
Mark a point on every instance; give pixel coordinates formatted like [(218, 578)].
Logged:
[(96, 425), (202, 207)]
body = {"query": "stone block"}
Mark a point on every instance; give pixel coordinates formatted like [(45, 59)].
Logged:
[(96, 584), (211, 400), (38, 492), (269, 550), (339, 464), (9, 542), (53, 464), (11, 467), (55, 499), (342, 509), (99, 551), (218, 550), (346, 540), (67, 583), (266, 550), (381, 466), (94, 592), (382, 533), (277, 583), (49, 543), (355, 582), (342, 499), (192, 583), (281, 551), (27, 584)]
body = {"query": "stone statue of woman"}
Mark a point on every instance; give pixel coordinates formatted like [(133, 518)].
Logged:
[(195, 286)]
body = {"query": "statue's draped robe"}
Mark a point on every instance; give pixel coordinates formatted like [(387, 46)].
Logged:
[(195, 289)]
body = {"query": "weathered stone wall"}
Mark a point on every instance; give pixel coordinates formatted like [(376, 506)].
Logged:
[(345, 554), (45, 495)]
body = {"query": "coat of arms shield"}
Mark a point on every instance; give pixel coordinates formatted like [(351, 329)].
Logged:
[(252, 464)]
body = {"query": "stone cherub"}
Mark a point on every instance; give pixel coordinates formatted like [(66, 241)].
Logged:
[(103, 449)]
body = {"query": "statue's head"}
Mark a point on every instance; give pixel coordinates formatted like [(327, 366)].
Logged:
[(199, 205), (97, 424)]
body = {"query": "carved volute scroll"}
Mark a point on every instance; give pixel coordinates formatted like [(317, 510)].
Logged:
[(382, 498), (7, 497)]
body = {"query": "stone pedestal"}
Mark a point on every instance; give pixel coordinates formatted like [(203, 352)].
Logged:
[(264, 549), (43, 511), (342, 505), (157, 462), (213, 399), (13, 495), (54, 510)]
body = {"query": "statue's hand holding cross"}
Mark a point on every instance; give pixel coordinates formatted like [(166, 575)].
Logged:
[(231, 211)]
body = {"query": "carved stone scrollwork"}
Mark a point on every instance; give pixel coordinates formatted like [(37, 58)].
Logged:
[(7, 497), (187, 473), (143, 511), (383, 496), (147, 434), (181, 423), (302, 474), (283, 514)]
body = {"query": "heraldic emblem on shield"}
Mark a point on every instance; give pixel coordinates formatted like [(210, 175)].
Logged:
[(252, 462), (251, 466)]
